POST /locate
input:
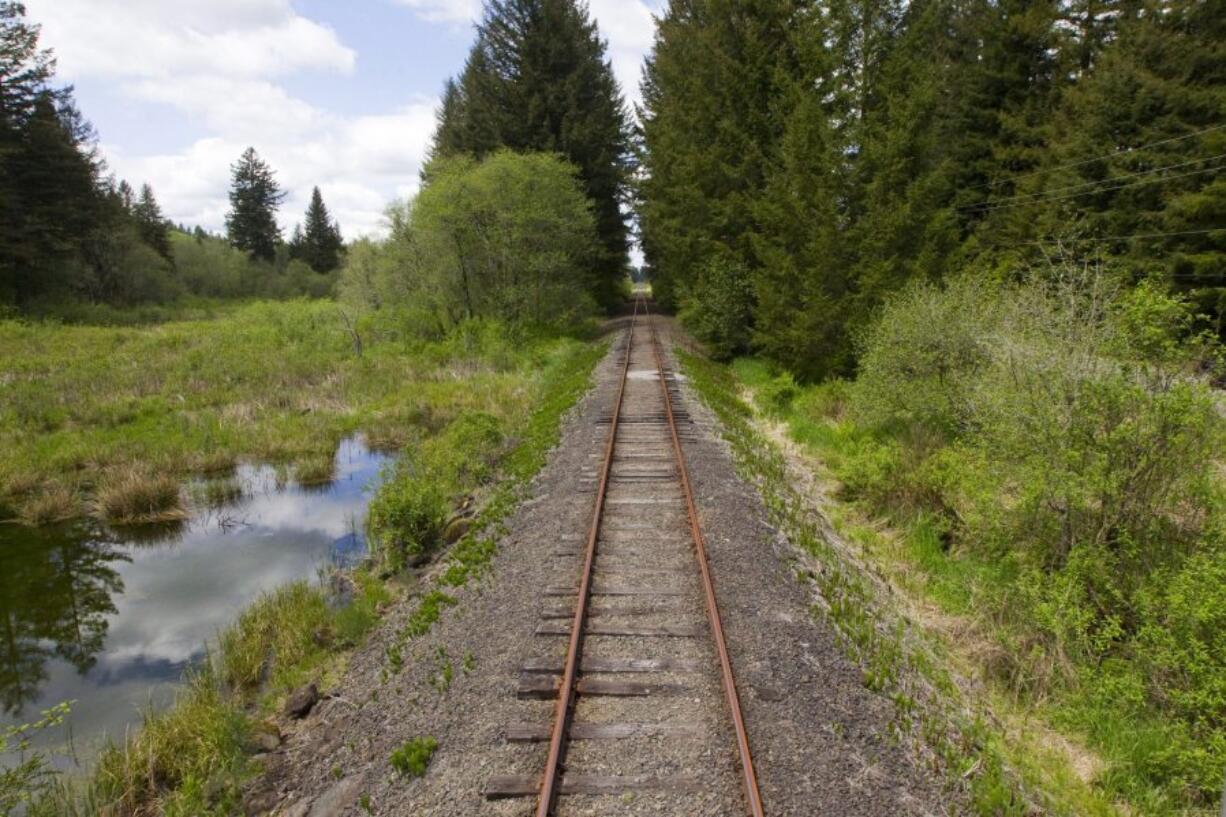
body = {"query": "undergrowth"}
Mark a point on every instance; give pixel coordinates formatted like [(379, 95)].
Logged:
[(1040, 466), (478, 454), (1001, 776), (113, 419)]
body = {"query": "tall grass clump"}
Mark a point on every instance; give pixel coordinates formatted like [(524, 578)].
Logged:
[(1058, 431), (132, 495)]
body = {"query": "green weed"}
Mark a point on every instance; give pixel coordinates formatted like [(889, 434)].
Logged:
[(412, 759)]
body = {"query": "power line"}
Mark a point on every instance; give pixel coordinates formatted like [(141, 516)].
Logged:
[(1111, 155), (1101, 190), (1112, 180), (1054, 240)]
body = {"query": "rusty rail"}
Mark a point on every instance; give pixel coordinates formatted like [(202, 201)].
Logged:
[(574, 652), (567, 693), (749, 778)]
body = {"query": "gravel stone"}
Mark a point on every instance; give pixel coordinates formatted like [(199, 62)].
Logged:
[(822, 741)]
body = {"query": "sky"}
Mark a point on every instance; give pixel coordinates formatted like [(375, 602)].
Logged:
[(335, 93)]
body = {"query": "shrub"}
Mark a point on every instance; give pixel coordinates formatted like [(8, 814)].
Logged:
[(919, 360), (407, 515), (508, 237), (413, 757), (718, 308), (1058, 427)]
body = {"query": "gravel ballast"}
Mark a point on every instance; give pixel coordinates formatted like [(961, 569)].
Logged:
[(822, 741)]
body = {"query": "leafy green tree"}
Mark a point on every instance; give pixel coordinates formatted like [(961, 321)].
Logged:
[(509, 237), (320, 244), (538, 80), (251, 224)]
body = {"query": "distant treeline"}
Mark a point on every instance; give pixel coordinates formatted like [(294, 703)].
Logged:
[(803, 160), (70, 232)]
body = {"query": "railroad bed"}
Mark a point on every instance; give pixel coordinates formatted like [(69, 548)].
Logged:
[(631, 690)]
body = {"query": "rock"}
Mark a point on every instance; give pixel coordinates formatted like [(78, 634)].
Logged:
[(263, 742), (336, 799), (456, 528), (301, 701), (299, 809), (259, 803)]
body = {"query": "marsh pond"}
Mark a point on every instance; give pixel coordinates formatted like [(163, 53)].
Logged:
[(110, 619)]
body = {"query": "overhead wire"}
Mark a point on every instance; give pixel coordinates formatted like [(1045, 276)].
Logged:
[(1049, 193), (1008, 206), (1114, 154)]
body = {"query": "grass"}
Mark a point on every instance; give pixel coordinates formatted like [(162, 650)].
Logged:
[(1005, 766), (134, 495), (1081, 738), (504, 398), (192, 759), (476, 456), (268, 382), (48, 504), (411, 759)]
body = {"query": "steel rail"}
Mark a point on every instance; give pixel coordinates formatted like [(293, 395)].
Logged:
[(749, 779), (566, 694)]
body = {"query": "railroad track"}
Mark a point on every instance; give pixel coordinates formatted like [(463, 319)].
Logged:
[(645, 703)]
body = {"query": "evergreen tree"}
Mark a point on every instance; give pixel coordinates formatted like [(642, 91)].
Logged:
[(48, 169), (1138, 150), (711, 119), (320, 244), (538, 80), (151, 225), (251, 224), (127, 196)]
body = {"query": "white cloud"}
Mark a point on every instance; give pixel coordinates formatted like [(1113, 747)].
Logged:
[(626, 24), (629, 28), (219, 64), (446, 11), (154, 38), (359, 165)]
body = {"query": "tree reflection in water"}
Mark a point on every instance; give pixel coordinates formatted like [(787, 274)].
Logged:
[(56, 588)]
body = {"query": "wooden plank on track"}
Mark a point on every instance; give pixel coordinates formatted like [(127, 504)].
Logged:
[(614, 688), (505, 786), (613, 665), (671, 630), (617, 591), (534, 687), (552, 613), (538, 687), (538, 732)]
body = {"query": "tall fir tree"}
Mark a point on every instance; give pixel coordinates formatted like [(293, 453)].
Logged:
[(49, 197), (538, 79), (151, 224), (710, 123), (251, 224), (1135, 172), (319, 244)]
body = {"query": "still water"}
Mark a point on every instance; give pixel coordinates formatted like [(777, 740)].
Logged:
[(110, 619)]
